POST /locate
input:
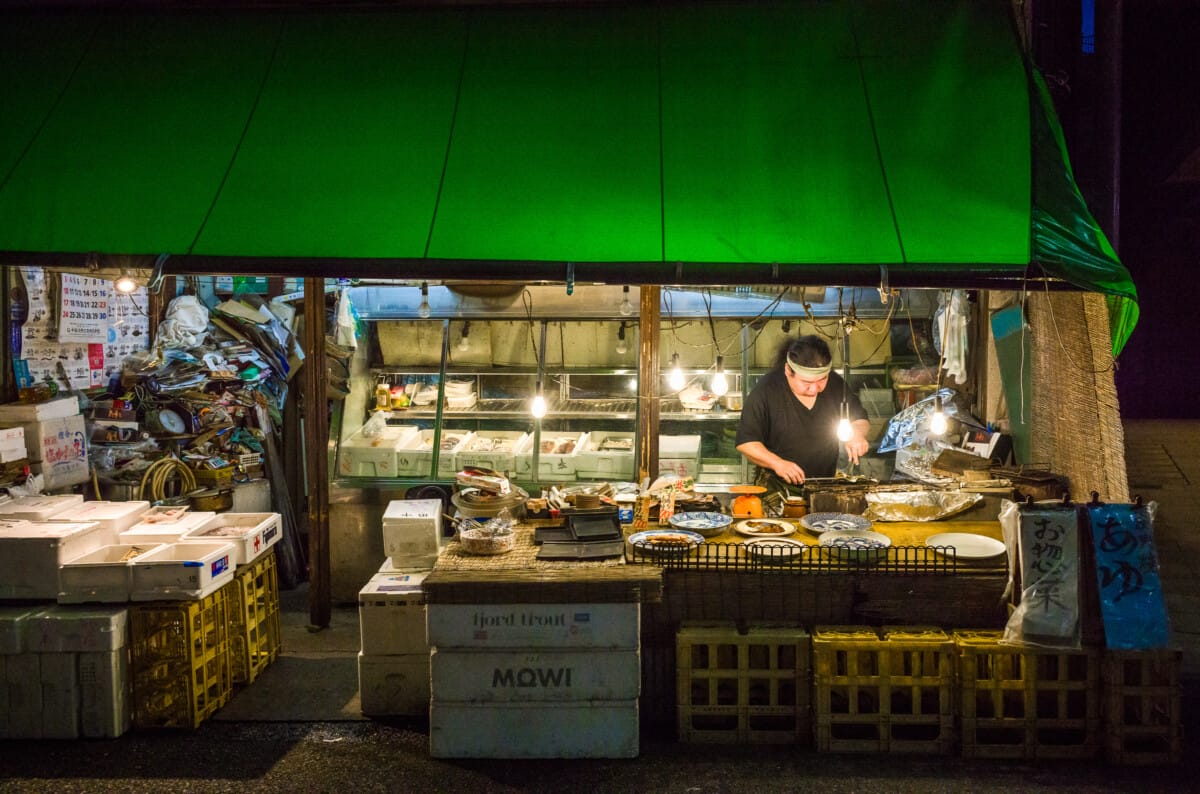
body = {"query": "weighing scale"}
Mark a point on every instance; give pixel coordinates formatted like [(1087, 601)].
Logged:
[(747, 503)]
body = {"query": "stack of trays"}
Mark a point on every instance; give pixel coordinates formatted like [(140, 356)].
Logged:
[(588, 534)]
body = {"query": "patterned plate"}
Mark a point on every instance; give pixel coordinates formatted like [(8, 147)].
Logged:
[(665, 542), (700, 521), (817, 523)]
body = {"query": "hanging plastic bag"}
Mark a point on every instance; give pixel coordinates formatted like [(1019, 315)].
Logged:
[(1047, 543)]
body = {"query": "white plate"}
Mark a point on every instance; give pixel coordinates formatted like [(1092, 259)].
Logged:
[(967, 546), (775, 549), (665, 542), (817, 523), (775, 528)]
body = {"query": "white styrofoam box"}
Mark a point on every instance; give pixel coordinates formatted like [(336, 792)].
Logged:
[(60, 695), (394, 685), (55, 440), (412, 527), (147, 533), (415, 455), (182, 571), (594, 462), (409, 564), (551, 465), (581, 729), (23, 686), (252, 497), (13, 622), (391, 614), (12, 444), (104, 575), (250, 533), (105, 702), (480, 450), (75, 629), (115, 517), (62, 474), (59, 407), (39, 508), (489, 626), (679, 455), (374, 456), (534, 675), (31, 553)]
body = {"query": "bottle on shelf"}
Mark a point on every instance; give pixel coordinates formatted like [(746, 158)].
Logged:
[(383, 396)]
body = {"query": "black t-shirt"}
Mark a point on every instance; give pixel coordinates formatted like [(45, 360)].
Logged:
[(807, 436)]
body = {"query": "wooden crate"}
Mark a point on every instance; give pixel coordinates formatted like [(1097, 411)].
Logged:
[(1142, 706), (743, 688), (1018, 702)]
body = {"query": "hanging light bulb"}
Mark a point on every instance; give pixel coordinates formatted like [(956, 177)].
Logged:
[(538, 406), (845, 431), (720, 384), (675, 379), (423, 309), (125, 284), (937, 422), (464, 343), (626, 307), (622, 346), (633, 384)]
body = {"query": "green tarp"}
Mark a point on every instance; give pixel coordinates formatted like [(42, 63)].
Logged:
[(831, 133)]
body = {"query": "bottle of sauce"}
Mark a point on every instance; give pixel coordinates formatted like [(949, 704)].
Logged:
[(383, 396)]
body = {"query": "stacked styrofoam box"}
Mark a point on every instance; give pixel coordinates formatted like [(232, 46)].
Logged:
[(12, 444), (55, 439), (534, 680), (104, 575), (679, 455), (594, 462), (31, 552), (84, 670), (146, 533), (412, 533), (20, 702), (183, 571), (553, 466), (250, 533), (113, 517), (495, 449), (373, 456), (415, 455), (39, 508), (393, 664)]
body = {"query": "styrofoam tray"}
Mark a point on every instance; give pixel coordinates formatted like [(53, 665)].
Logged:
[(551, 465), (475, 451), (360, 456), (103, 575), (250, 533), (182, 571), (145, 532), (411, 458), (39, 508), (608, 464)]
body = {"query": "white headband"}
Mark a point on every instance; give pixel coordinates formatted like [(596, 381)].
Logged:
[(810, 372)]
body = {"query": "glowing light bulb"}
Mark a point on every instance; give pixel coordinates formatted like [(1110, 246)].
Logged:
[(125, 284), (538, 406), (626, 307), (844, 431), (675, 379), (937, 422), (423, 309), (720, 384), (633, 384)]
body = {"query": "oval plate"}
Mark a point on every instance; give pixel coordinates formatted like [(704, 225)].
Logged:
[(665, 542), (775, 549), (700, 521), (967, 546), (764, 528), (862, 546), (817, 523)]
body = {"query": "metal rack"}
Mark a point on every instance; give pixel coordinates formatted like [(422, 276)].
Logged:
[(902, 560)]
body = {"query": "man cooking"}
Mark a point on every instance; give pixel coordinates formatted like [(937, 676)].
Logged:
[(789, 422)]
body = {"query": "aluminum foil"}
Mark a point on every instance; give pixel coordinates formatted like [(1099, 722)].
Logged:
[(917, 505)]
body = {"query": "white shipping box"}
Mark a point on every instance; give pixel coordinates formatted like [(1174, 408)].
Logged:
[(584, 729), (555, 462), (182, 571), (373, 456), (105, 702), (39, 508), (391, 614), (394, 685), (22, 685), (63, 474), (533, 675), (250, 533), (539, 626), (56, 440), (114, 517), (20, 413), (12, 444), (493, 449), (412, 527), (679, 455), (148, 533), (75, 629), (415, 455), (60, 696), (31, 553), (104, 575), (596, 462), (13, 621)]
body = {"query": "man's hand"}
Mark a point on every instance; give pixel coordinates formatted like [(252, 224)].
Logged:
[(789, 472), (856, 448)]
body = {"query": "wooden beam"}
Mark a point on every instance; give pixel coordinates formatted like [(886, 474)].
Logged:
[(648, 381), (316, 452)]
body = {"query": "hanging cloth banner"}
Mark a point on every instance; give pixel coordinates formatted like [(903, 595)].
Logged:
[(1048, 542), (1131, 598)]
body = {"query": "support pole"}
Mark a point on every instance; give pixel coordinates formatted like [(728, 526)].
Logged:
[(316, 452), (649, 320)]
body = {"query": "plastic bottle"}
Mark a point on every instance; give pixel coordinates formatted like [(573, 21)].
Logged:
[(383, 396)]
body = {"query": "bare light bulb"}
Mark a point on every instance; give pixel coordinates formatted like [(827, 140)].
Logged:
[(423, 309), (675, 379), (720, 384), (125, 284), (626, 307), (633, 384), (538, 406), (844, 431), (937, 422)]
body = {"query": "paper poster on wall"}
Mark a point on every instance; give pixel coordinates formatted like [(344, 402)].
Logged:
[(83, 309)]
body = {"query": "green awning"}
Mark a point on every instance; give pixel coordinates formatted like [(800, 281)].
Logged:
[(844, 141)]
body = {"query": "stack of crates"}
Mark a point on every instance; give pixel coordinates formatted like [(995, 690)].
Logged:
[(1022, 702), (180, 660), (253, 602), (1142, 709), (743, 688), (884, 692)]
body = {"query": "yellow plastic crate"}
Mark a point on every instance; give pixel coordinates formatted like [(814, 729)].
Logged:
[(889, 692), (1142, 706), (1018, 702), (750, 688), (254, 638), (179, 661)]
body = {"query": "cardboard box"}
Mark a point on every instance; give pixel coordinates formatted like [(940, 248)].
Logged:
[(412, 527), (584, 729), (56, 440), (20, 413), (541, 626), (391, 614), (396, 685), (534, 675)]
